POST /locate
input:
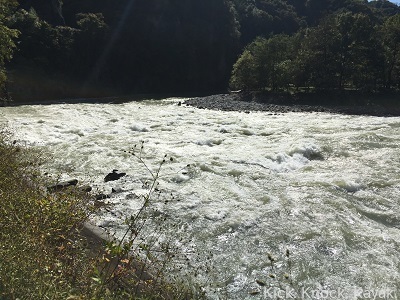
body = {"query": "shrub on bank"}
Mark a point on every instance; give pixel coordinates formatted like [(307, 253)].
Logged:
[(42, 254)]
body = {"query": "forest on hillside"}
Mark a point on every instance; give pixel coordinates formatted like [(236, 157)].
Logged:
[(74, 47)]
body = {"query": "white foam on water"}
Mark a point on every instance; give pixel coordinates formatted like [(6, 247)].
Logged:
[(324, 186)]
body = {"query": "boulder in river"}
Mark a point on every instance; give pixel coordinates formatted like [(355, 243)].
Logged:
[(102, 197), (115, 190), (86, 189), (62, 185), (114, 175)]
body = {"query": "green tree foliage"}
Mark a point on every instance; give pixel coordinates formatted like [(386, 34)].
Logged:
[(48, 10), (262, 18), (383, 8), (89, 44), (7, 37), (345, 51), (191, 46), (338, 49), (366, 54), (36, 39), (264, 64), (62, 50), (390, 34), (244, 72)]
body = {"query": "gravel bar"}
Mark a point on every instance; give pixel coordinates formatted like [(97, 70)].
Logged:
[(235, 102)]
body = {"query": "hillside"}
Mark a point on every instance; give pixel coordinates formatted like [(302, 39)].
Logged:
[(77, 48)]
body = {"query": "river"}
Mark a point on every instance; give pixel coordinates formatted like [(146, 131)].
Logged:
[(325, 187)]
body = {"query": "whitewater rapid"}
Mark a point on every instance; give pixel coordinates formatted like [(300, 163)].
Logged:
[(326, 187)]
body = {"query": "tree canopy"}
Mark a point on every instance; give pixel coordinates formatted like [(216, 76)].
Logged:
[(202, 46), (346, 50), (7, 40)]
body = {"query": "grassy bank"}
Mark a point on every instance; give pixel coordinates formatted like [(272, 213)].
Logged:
[(43, 252)]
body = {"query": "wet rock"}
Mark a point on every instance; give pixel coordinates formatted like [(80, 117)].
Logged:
[(86, 188), (131, 196), (62, 185), (276, 104), (99, 203), (255, 292), (117, 190), (114, 175), (102, 197), (260, 282)]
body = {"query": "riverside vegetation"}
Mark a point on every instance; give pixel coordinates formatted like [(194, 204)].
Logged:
[(66, 49), (44, 255)]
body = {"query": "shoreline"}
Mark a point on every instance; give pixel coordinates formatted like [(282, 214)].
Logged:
[(247, 103)]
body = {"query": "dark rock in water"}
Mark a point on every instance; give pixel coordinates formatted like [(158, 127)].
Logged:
[(86, 189), (113, 176), (117, 190), (62, 185), (131, 196), (102, 197)]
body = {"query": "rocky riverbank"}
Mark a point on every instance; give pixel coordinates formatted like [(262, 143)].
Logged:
[(247, 103)]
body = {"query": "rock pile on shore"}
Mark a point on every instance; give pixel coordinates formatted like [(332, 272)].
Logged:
[(245, 103)]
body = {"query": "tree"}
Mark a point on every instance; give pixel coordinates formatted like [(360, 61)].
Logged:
[(265, 64), (244, 72), (339, 52), (90, 42), (48, 10), (384, 8), (365, 53), (390, 33), (265, 17), (36, 39), (7, 40)]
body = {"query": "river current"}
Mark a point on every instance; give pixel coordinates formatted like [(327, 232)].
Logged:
[(325, 187)]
